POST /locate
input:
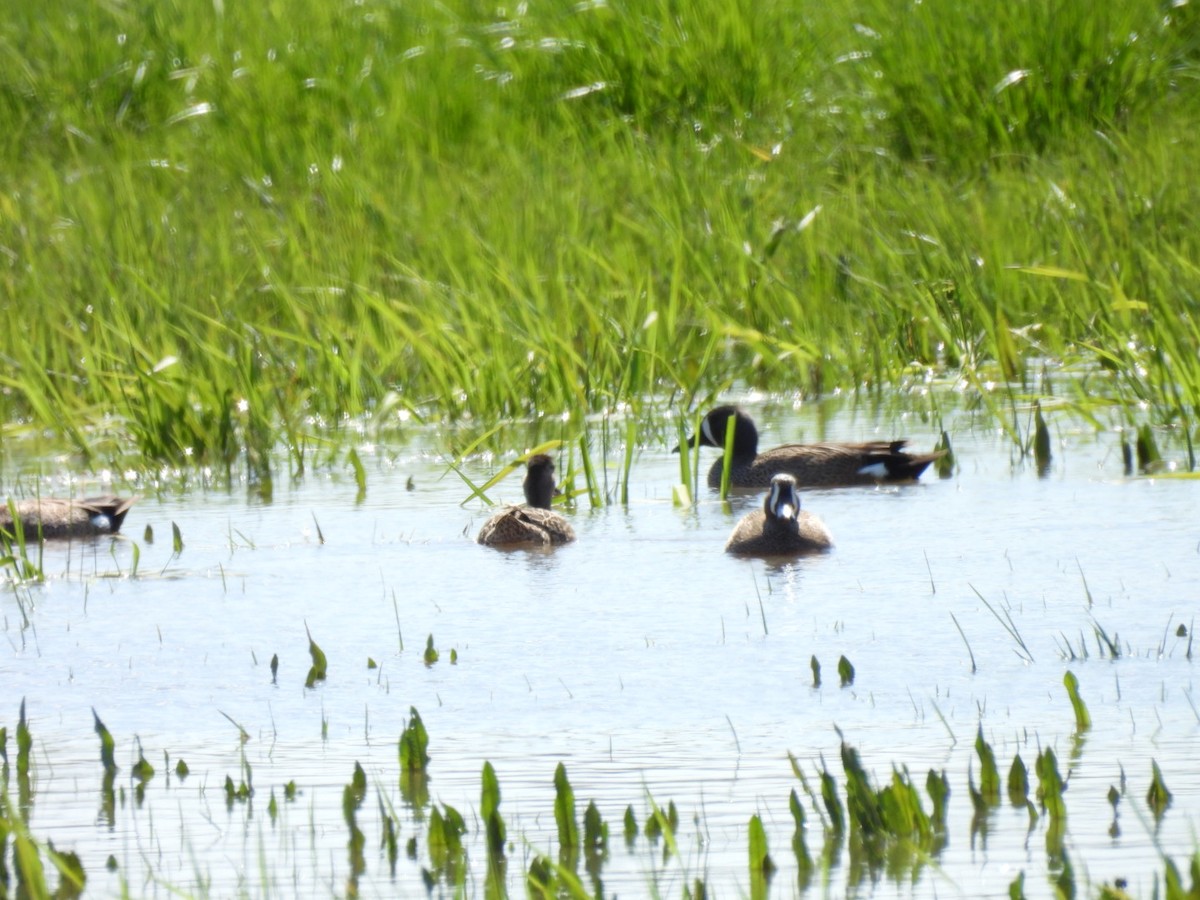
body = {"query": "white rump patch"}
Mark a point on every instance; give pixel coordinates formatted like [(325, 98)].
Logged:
[(874, 470)]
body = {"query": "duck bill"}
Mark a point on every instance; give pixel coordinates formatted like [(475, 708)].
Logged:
[(782, 502), (785, 510), (690, 443)]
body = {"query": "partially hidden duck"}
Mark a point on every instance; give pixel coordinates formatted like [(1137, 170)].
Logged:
[(534, 523), (53, 517), (812, 465)]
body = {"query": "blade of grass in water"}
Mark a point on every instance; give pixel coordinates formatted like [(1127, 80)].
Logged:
[(589, 474), (727, 458), (631, 433)]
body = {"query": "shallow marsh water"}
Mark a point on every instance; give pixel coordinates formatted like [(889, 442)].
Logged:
[(642, 657)]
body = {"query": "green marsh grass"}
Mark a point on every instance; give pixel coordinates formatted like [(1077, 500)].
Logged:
[(233, 242), (14, 552), (883, 828)]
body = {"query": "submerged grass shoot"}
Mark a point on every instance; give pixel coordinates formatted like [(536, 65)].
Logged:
[(1083, 719)]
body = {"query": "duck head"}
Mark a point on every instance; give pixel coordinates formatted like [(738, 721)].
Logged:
[(783, 501), (539, 481), (712, 432)]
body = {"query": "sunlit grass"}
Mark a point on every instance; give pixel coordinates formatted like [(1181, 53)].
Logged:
[(231, 229)]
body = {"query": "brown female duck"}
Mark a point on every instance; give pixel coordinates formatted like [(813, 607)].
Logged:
[(780, 528), (813, 465), (533, 523), (53, 517)]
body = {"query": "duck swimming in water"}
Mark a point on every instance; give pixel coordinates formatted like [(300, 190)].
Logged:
[(53, 517), (533, 523), (812, 465), (780, 528)]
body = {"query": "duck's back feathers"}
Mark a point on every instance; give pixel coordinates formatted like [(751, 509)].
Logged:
[(526, 525), (829, 464)]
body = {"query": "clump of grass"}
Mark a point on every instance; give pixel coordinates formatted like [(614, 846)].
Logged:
[(885, 828), (414, 762), (322, 288), (989, 774), (1017, 79), (14, 552), (447, 854), (28, 875), (1050, 795)]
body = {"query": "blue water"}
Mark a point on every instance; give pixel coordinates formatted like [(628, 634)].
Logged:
[(642, 657)]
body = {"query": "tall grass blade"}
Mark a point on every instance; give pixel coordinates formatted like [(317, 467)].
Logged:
[(360, 475), (107, 745), (989, 775), (1083, 720), (1041, 440), (727, 458), (1018, 782), (631, 433), (761, 865), (804, 862), (320, 666), (1007, 622), (564, 818)]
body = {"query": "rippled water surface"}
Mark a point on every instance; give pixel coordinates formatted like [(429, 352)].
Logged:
[(642, 657)]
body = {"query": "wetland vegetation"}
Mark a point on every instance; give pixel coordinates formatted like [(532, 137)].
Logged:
[(231, 232), (239, 239)]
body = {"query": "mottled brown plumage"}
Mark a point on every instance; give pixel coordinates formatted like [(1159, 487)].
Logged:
[(812, 465), (780, 528), (533, 523), (53, 517)]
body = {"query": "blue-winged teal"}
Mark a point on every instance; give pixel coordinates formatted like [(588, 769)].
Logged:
[(813, 465), (53, 517), (780, 528), (533, 523)]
